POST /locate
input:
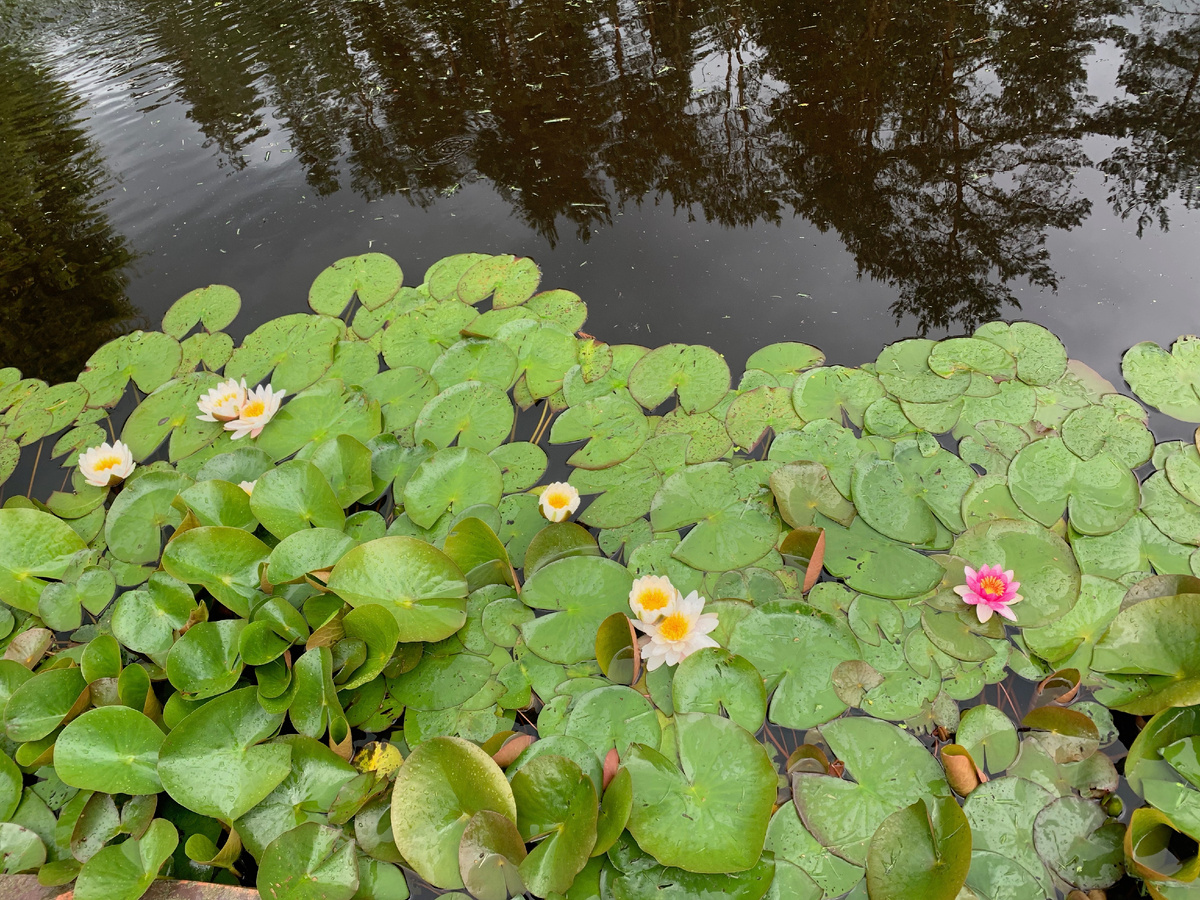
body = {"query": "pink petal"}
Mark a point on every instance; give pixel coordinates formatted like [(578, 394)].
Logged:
[(970, 573), (1007, 613), (984, 611), (962, 590), (1008, 575)]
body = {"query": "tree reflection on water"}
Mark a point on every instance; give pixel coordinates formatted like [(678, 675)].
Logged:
[(940, 141)]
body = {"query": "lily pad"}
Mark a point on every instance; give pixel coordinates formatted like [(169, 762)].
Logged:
[(923, 850), (844, 815), (224, 560), (712, 816), (438, 789), (215, 307), (310, 862), (1166, 381), (1099, 494), (556, 803), (373, 277), (112, 749), (214, 762), (803, 694), (473, 413), (579, 592), (452, 479), (713, 680), (698, 374), (417, 583)]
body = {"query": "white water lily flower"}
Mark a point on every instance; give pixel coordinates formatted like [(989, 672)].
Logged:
[(678, 634), (559, 500), (107, 464), (261, 404), (223, 403), (248, 486), (651, 595)]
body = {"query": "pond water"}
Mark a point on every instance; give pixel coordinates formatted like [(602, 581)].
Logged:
[(727, 172)]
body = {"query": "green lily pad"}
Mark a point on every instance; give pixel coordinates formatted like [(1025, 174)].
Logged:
[(1041, 357), (473, 413), (832, 392), (989, 736), (713, 680), (904, 369), (521, 464), (1099, 494), (580, 592), (786, 358), (454, 479), (803, 695), (215, 307), (752, 413), (125, 871), (214, 762), (1002, 814), (613, 717), (517, 284), (955, 355), (443, 276), (1040, 560), (476, 359), (438, 789), (1116, 428), (923, 850), (224, 560), (698, 374), (419, 336), (34, 545), (309, 790), (373, 277), (843, 815), (144, 620), (731, 530), (1079, 843), (309, 550), (294, 496), (148, 358), (488, 857), (712, 816), (1166, 381), (556, 802), (792, 843), (133, 528), (417, 583), (613, 426), (1155, 638), (803, 489), (205, 661), (39, 705), (310, 862), (874, 564), (290, 352), (904, 498), (112, 749)]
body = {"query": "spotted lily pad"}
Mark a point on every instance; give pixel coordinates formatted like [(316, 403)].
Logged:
[(1099, 494), (373, 277), (699, 375)]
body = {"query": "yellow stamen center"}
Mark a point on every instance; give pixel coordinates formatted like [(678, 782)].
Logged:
[(991, 586), (654, 598), (253, 408), (107, 462), (558, 501), (674, 627), (225, 398)]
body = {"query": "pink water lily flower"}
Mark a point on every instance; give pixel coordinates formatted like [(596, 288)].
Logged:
[(990, 590)]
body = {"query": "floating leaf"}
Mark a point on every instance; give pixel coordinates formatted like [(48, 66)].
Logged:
[(804, 695), (613, 425), (713, 815), (1046, 479), (224, 560), (33, 545), (843, 815), (309, 862), (290, 352), (453, 479), (923, 850), (438, 789), (112, 749), (1167, 381), (699, 375), (580, 592), (832, 392), (373, 277), (417, 583), (556, 802), (213, 762), (473, 413)]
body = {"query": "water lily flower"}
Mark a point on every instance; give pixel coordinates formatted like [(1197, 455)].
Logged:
[(248, 486), (990, 590), (651, 595), (678, 634), (260, 405), (224, 402), (559, 500), (107, 464)]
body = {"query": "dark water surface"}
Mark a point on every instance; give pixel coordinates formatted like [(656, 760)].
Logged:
[(729, 172)]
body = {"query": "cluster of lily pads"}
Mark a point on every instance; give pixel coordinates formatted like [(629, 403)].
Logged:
[(346, 645)]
